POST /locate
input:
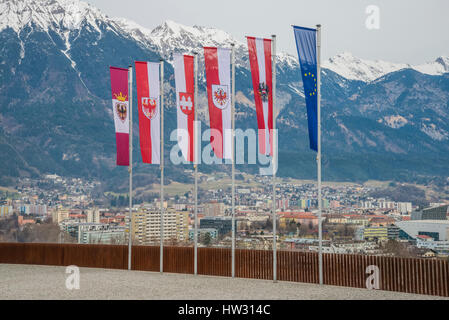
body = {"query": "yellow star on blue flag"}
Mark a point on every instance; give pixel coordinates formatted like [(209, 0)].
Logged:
[(306, 45)]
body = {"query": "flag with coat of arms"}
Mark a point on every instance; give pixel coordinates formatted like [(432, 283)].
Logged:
[(218, 77), (184, 81)]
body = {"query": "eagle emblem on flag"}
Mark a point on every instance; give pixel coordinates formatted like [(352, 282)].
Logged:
[(220, 96), (121, 108), (263, 91), (149, 107), (186, 102)]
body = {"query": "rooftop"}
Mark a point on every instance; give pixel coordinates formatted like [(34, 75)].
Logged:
[(426, 221)]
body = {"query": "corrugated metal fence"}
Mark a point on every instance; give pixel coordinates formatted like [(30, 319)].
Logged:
[(421, 276)]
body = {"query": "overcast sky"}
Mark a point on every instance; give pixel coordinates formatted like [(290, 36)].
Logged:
[(411, 31)]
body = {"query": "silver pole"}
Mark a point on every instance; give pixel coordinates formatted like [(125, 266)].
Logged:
[(320, 231), (233, 156), (195, 161), (161, 254), (130, 168), (274, 158)]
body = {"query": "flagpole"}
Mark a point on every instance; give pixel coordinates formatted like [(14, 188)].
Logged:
[(320, 230), (233, 156), (130, 167), (195, 161), (274, 158), (161, 254)]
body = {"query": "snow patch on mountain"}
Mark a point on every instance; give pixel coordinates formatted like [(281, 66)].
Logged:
[(298, 88), (136, 31), (22, 50), (395, 121), (435, 133)]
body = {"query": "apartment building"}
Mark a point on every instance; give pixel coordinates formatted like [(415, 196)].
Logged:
[(214, 209), (93, 215), (60, 214), (373, 233), (146, 225)]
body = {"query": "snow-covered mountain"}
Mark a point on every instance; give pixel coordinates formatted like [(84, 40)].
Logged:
[(55, 113), (57, 15), (172, 37), (353, 68), (63, 16), (437, 67)]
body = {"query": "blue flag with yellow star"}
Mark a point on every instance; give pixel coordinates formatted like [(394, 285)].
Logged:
[(306, 45)]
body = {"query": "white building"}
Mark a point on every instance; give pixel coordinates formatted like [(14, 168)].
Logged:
[(93, 215), (146, 225), (404, 207), (100, 233), (437, 229), (439, 246)]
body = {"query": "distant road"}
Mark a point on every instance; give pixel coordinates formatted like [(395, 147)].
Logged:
[(49, 282)]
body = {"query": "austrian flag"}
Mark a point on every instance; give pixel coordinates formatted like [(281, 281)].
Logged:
[(120, 110), (184, 80), (261, 73), (148, 89), (218, 76)]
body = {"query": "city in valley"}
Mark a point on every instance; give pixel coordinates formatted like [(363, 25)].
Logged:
[(373, 218)]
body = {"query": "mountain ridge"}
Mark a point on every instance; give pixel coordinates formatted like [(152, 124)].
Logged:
[(55, 111), (344, 64)]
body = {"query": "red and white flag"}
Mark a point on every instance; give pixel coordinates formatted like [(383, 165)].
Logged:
[(261, 73), (148, 101), (184, 80), (120, 109), (218, 76)]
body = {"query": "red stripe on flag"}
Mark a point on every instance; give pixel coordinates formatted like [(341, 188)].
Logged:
[(253, 60), (188, 71), (144, 122), (119, 81), (215, 114), (122, 140), (269, 79)]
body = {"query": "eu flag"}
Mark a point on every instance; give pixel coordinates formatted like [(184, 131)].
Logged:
[(306, 45)]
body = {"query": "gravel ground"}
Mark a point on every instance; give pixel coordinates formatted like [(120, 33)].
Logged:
[(48, 282)]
